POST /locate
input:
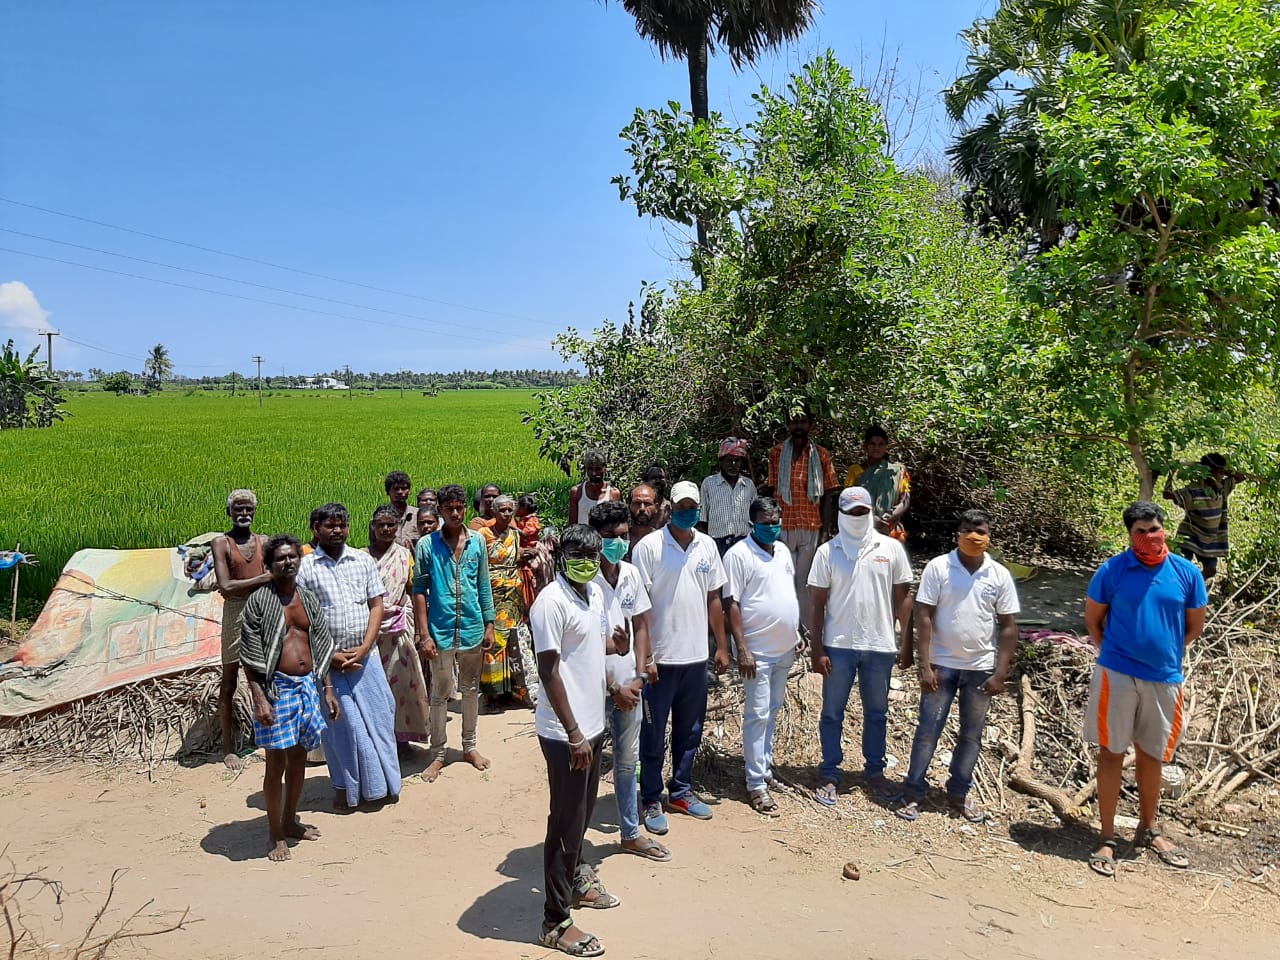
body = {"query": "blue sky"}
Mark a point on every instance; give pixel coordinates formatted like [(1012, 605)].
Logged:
[(455, 156)]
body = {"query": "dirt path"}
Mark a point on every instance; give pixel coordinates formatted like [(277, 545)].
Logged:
[(455, 869)]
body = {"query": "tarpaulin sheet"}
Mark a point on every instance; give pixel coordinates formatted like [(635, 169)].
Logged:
[(114, 617)]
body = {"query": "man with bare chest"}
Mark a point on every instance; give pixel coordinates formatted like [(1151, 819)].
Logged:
[(286, 650), (237, 563)]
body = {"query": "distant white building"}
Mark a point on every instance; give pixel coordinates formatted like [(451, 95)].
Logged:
[(322, 383)]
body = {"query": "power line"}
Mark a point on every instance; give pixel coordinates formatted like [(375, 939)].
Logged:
[(271, 303), (268, 263), (445, 326)]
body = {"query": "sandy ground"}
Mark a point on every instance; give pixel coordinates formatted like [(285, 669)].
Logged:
[(455, 869)]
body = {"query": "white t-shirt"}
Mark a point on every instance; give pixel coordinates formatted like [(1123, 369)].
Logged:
[(678, 582), (575, 628), (859, 612), (621, 603), (765, 587), (964, 625)]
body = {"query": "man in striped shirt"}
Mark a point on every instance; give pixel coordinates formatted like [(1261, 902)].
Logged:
[(1203, 531), (727, 497)]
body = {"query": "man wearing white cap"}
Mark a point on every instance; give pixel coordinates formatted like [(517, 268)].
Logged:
[(861, 584), (727, 497), (682, 573)]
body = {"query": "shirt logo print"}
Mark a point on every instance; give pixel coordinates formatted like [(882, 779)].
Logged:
[(703, 566)]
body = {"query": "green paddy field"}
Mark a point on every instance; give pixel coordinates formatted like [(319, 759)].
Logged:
[(152, 471)]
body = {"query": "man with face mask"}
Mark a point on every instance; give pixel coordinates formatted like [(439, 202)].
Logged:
[(801, 475), (966, 614), (727, 497), (861, 583), (1144, 608), (681, 571), (764, 618)]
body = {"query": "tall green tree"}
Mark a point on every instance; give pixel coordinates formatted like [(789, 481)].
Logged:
[(1015, 61), (1159, 313), (692, 30), (158, 366)]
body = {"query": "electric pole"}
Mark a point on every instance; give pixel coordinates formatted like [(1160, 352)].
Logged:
[(348, 381), (48, 350), (258, 361)]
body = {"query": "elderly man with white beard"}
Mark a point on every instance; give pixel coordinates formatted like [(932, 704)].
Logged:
[(861, 584)]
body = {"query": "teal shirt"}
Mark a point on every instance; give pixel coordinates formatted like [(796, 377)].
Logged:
[(460, 595)]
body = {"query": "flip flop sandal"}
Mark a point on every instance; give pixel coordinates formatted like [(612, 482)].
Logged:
[(908, 810), (762, 803), (650, 850), (553, 937), (969, 810), (826, 795), (1174, 857), (1104, 864)]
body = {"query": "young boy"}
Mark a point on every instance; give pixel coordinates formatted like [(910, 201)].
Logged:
[(286, 649)]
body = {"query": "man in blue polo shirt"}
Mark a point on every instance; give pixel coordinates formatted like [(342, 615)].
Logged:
[(1144, 607)]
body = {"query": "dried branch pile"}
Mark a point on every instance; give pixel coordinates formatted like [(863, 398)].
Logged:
[(1033, 737), (153, 720)]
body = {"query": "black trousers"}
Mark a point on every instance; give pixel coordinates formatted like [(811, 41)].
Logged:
[(573, 797)]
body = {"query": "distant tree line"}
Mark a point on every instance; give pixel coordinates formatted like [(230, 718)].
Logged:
[(122, 381)]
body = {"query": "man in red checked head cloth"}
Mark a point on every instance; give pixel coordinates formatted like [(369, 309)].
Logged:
[(1145, 606), (727, 497)]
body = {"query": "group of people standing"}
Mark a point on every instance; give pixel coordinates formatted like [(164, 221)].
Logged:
[(618, 622)]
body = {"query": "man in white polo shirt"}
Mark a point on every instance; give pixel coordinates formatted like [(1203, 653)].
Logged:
[(626, 605), (764, 619), (861, 585), (571, 640), (965, 601), (682, 574)]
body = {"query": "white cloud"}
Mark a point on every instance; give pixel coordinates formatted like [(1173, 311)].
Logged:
[(20, 311)]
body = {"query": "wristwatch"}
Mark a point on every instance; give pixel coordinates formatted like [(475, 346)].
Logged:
[(613, 688)]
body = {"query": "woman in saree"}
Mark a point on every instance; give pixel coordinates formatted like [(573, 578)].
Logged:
[(396, 648), (503, 674)]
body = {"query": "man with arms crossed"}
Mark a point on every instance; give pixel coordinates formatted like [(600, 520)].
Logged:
[(1143, 609), (238, 566)]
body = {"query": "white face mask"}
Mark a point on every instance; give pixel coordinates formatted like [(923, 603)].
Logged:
[(854, 528)]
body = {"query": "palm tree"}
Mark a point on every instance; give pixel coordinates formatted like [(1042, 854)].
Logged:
[(1015, 58), (691, 30), (158, 366)]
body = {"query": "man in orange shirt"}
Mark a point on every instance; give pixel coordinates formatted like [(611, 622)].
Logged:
[(801, 475)]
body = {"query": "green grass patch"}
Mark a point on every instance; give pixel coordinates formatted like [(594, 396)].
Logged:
[(130, 472)]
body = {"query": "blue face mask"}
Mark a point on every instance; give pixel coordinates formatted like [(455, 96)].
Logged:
[(685, 519), (615, 548), (767, 533)]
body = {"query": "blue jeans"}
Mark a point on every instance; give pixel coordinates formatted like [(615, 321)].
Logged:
[(872, 671), (681, 695), (764, 694), (625, 725), (934, 708)]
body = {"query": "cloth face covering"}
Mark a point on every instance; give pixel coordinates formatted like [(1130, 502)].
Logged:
[(685, 519), (973, 544), (615, 548), (581, 570), (767, 533), (853, 531), (1151, 548)]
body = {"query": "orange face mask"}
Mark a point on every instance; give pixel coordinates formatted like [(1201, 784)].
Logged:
[(1151, 548), (973, 544)]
